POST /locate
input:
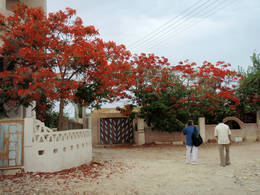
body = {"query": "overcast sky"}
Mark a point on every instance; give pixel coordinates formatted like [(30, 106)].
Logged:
[(210, 30), (198, 30)]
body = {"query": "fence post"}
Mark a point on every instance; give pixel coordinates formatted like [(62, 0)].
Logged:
[(202, 128), (28, 142), (29, 112), (258, 125), (140, 131)]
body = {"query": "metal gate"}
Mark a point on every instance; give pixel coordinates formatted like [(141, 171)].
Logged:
[(11, 143), (116, 131)]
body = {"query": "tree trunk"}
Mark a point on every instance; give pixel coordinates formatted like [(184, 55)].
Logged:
[(60, 119)]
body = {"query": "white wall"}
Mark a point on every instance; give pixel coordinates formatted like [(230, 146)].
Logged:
[(48, 151), (5, 5), (36, 3)]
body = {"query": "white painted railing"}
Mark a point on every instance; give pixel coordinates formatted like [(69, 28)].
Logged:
[(48, 151)]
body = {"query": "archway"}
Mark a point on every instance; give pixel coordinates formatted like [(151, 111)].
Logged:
[(234, 123)]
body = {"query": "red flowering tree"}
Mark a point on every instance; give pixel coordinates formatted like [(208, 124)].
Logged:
[(157, 91), (170, 95), (59, 58), (212, 88)]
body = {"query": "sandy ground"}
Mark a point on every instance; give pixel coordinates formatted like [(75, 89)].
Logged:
[(157, 169)]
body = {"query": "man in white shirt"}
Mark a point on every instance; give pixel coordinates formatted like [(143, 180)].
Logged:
[(223, 135)]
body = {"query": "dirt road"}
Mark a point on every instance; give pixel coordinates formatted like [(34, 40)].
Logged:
[(159, 169)]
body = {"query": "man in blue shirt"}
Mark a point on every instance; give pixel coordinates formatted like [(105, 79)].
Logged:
[(190, 149)]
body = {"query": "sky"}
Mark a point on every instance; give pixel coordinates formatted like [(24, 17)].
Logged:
[(197, 30)]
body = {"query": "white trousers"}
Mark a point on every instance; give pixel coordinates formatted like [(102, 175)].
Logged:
[(191, 150)]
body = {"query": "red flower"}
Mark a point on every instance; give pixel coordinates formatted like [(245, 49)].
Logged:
[(183, 101), (173, 98)]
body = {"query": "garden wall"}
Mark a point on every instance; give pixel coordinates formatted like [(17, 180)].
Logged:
[(250, 132), (48, 151), (247, 131), (143, 134), (70, 124), (160, 136)]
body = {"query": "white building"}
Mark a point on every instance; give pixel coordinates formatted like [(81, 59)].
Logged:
[(5, 5)]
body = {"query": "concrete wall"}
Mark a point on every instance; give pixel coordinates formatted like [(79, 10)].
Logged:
[(5, 5), (48, 151), (161, 136), (70, 124), (248, 132), (36, 3), (144, 134), (21, 112), (4, 10)]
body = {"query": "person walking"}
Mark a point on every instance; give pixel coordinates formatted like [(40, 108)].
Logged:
[(223, 135), (190, 149)]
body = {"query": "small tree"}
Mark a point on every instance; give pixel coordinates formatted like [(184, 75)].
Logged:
[(249, 88)]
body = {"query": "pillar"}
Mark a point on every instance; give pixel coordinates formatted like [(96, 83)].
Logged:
[(28, 143), (3, 4), (258, 119), (84, 112), (140, 132), (202, 128), (258, 125), (29, 112)]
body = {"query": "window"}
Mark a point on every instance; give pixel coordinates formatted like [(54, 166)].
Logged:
[(10, 3), (1, 64)]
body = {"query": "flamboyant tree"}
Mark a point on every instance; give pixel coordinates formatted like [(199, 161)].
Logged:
[(58, 57), (155, 91), (212, 88), (170, 95)]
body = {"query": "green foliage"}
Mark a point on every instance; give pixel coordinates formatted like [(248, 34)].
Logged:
[(252, 76), (80, 110), (159, 112), (249, 89), (168, 98), (51, 119), (91, 94)]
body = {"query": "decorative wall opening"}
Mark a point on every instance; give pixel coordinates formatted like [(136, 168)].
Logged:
[(10, 3), (233, 125)]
